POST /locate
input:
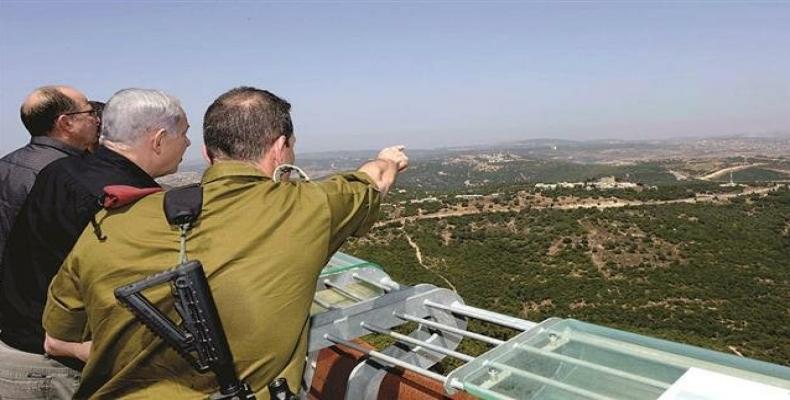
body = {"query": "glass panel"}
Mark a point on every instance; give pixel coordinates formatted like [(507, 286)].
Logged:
[(568, 359), (341, 262)]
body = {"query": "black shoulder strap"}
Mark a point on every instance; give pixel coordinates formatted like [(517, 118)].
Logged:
[(183, 204)]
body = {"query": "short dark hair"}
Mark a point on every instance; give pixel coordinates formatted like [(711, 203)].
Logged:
[(39, 119), (244, 122), (98, 107)]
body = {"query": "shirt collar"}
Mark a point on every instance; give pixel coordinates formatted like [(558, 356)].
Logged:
[(109, 156), (224, 169), (55, 143)]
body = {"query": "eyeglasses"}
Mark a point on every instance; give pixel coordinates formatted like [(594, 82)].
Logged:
[(91, 111)]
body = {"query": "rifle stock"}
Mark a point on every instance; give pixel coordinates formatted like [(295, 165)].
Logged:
[(200, 338)]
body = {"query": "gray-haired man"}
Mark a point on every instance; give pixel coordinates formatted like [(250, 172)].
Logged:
[(143, 137)]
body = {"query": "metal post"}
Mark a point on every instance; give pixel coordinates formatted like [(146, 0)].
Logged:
[(451, 329), (417, 342), (371, 282), (484, 315), (323, 304), (342, 291)]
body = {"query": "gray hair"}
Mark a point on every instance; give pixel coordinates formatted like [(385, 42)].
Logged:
[(131, 113)]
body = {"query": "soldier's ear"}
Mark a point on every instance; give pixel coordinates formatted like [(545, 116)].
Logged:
[(279, 147), (207, 155)]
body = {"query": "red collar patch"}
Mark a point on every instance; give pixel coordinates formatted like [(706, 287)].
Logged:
[(116, 196)]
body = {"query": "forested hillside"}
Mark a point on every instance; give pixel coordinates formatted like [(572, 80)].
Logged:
[(714, 274)]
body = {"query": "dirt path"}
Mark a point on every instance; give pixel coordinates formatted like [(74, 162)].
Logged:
[(610, 203), (679, 176), (418, 253), (736, 168)]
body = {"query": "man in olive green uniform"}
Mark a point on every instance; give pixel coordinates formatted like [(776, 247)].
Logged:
[(262, 244)]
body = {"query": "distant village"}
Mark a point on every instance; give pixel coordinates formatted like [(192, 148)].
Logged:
[(605, 183)]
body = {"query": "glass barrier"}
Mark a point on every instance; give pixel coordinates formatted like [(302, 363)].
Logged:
[(569, 359), (341, 262)]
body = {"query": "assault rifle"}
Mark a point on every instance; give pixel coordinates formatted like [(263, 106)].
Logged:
[(199, 339)]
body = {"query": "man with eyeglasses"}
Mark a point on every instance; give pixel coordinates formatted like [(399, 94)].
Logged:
[(61, 122), (144, 136)]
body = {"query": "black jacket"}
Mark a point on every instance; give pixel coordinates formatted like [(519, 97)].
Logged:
[(63, 201), (18, 171)]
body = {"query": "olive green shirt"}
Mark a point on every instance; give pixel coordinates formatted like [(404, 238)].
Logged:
[(262, 245)]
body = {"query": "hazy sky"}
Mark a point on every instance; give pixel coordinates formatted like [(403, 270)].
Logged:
[(363, 75)]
